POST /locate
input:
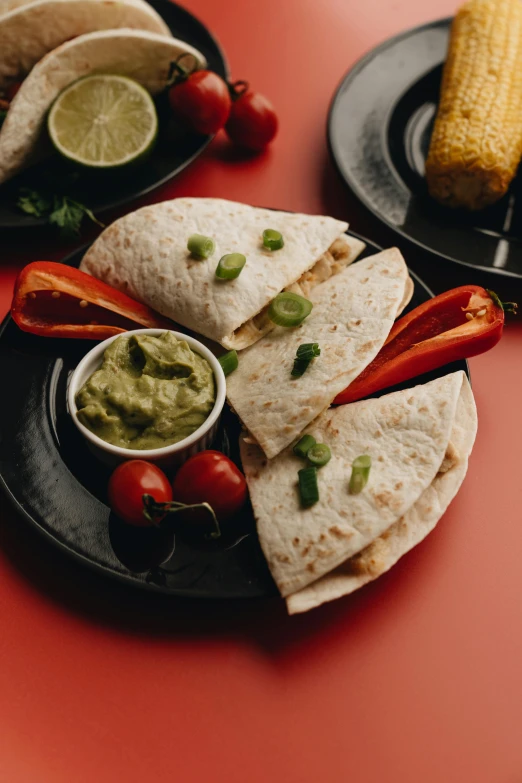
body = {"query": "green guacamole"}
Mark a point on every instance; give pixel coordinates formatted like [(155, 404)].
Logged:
[(148, 393)]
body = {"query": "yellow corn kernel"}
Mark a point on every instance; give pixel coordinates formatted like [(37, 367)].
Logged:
[(476, 143)]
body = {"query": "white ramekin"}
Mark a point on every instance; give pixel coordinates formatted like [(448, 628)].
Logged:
[(175, 454)]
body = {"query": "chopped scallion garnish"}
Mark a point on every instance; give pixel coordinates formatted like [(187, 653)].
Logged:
[(303, 445), (308, 489), (230, 266), (289, 309), (360, 473), (200, 246), (304, 355), (272, 239), (229, 362), (319, 454)]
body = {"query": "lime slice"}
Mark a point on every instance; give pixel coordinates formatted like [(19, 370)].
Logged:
[(103, 121)]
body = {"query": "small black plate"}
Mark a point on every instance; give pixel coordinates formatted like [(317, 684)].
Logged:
[(54, 481), (379, 130), (175, 149)]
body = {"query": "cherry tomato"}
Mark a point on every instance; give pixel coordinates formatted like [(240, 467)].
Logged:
[(12, 90), (253, 121), (202, 101), (127, 485), (211, 477)]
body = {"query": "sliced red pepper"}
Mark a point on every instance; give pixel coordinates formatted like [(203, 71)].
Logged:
[(458, 324), (55, 300)]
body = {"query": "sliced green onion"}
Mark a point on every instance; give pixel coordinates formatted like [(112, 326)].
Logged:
[(300, 367), (308, 351), (319, 454), (360, 473), (289, 309), (230, 266), (272, 239), (229, 362), (308, 489), (302, 446), (200, 246), (304, 355)]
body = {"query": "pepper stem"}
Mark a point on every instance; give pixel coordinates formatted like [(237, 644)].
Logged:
[(156, 512), (508, 307)]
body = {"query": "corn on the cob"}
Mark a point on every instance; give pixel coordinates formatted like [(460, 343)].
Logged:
[(476, 143)]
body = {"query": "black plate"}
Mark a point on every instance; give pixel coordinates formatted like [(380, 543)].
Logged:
[(379, 129), (175, 149), (59, 487)]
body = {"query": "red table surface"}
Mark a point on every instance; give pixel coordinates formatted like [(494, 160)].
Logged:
[(416, 678)]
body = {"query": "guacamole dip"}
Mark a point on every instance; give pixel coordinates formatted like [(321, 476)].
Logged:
[(148, 393)]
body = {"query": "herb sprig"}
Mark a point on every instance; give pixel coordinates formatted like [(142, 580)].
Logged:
[(61, 211)]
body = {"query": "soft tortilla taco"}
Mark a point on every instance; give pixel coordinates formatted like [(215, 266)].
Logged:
[(419, 441), (143, 56), (145, 255), (30, 31), (351, 318)]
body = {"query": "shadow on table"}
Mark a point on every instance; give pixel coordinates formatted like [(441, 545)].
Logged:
[(261, 622)]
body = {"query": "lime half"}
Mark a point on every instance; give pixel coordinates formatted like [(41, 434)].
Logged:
[(103, 121)]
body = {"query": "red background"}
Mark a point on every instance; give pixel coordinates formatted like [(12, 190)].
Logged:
[(416, 678)]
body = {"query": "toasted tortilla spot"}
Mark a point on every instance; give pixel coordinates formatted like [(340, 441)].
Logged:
[(337, 532), (383, 499)]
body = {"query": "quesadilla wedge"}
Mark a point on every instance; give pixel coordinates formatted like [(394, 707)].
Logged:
[(143, 56), (419, 441), (30, 31), (351, 318), (145, 255)]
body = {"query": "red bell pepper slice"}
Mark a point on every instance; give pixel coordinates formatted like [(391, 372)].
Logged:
[(458, 324), (55, 300)]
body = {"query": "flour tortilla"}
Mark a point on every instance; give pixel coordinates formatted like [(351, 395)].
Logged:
[(145, 255), (352, 316), (408, 436), (143, 56), (379, 556), (10, 5), (29, 32)]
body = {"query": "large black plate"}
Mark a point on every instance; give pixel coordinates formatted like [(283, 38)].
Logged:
[(174, 150), (379, 129), (59, 487)]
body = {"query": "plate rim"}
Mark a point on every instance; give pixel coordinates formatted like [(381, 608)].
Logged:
[(352, 185), (103, 570), (41, 222)]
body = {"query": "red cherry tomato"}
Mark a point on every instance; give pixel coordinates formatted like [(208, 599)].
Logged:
[(12, 90), (202, 101), (127, 485), (211, 477), (253, 122)]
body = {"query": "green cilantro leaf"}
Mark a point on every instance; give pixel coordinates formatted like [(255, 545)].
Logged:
[(68, 215), (61, 211), (32, 202)]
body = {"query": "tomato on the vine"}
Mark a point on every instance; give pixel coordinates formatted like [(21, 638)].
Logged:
[(211, 477), (127, 485), (252, 122), (201, 101)]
